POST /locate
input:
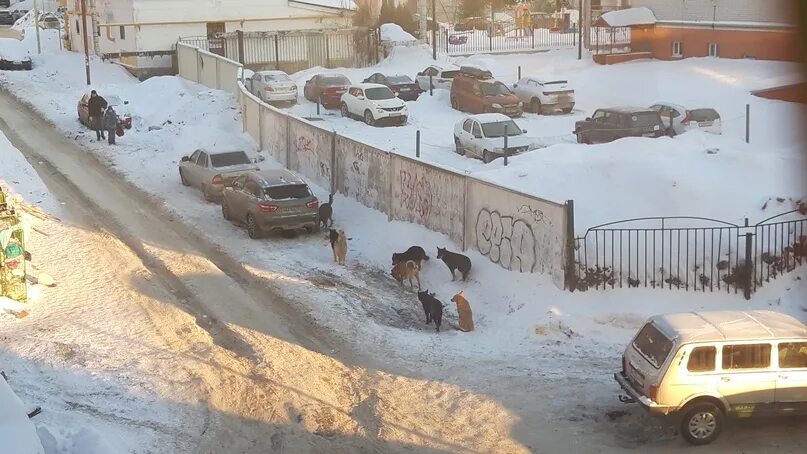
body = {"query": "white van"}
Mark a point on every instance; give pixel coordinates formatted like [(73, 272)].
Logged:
[(703, 366)]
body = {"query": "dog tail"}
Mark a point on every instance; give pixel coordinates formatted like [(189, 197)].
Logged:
[(425, 257)]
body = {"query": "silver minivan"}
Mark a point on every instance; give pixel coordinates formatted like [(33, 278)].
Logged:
[(701, 367)]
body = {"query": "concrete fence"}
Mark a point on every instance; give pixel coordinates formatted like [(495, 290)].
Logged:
[(517, 231), (207, 68)]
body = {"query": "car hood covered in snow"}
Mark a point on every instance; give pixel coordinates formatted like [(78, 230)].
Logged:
[(12, 50)]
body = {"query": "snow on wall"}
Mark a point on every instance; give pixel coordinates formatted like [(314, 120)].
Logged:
[(427, 195), (310, 151), (516, 231)]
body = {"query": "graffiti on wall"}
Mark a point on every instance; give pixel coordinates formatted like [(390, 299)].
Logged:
[(416, 194), (304, 144), (308, 160), (507, 240)]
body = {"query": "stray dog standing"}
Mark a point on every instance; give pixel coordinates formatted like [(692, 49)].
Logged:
[(406, 270), (432, 307), (326, 213), (464, 310), (414, 253), (338, 245), (455, 261)]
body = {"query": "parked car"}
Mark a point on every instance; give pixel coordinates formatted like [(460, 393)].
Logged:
[(545, 96), (441, 77), (472, 23), (374, 103), (482, 136), (403, 86), (121, 108), (212, 171), (683, 119), (457, 40), (700, 367), (270, 200), (13, 56), (6, 17), (607, 125), (272, 86), (327, 89), (474, 90)]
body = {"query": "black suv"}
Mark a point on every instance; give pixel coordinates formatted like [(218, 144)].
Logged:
[(607, 125)]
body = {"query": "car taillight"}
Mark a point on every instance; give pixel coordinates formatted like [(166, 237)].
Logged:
[(269, 89), (217, 180), (312, 204), (267, 208), (653, 394)]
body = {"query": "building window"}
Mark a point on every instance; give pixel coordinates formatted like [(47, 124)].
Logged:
[(677, 49), (714, 50), (122, 32)]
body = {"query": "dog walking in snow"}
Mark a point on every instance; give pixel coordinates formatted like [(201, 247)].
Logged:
[(432, 307), (326, 213), (406, 271), (338, 241), (414, 253), (454, 262)]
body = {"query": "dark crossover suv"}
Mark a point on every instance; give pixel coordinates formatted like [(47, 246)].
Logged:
[(607, 125)]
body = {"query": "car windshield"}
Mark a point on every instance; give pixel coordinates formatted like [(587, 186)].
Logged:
[(449, 74), (379, 93), (233, 158), (277, 78), (498, 129), (399, 79), (644, 119), (334, 81), (114, 101), (495, 89), (653, 345), (704, 115), (291, 191)]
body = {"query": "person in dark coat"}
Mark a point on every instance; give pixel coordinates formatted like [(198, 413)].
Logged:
[(111, 124), (95, 108)]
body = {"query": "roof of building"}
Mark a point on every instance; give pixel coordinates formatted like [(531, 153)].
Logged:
[(628, 17), (344, 5), (691, 327)]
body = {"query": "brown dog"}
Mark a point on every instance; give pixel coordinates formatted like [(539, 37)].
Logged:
[(406, 270), (338, 241), (464, 310)]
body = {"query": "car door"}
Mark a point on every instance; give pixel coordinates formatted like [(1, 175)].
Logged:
[(477, 142), (791, 380), (599, 127), (203, 174), (520, 89), (747, 381), (249, 196), (188, 167), (357, 102), (465, 134), (348, 98)]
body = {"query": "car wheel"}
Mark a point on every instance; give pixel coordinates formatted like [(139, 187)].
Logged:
[(702, 424), (458, 147), (253, 229), (206, 194), (535, 105), (487, 157), (182, 178), (225, 209), (345, 112), (368, 118)]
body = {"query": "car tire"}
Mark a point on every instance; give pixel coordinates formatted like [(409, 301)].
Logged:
[(345, 112), (206, 194), (458, 148), (225, 209), (253, 229), (182, 178), (368, 118), (487, 158), (535, 105), (702, 423)]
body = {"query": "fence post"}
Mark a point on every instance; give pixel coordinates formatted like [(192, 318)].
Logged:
[(417, 143), (569, 275), (519, 72), (244, 114), (288, 141), (390, 176), (749, 267), (446, 36), (747, 123), (506, 130), (240, 35), (327, 52), (431, 86), (465, 213), (260, 126), (277, 52), (490, 30), (333, 163), (199, 66)]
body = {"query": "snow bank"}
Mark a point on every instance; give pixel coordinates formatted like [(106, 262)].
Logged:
[(631, 16), (17, 432), (394, 32), (12, 49)]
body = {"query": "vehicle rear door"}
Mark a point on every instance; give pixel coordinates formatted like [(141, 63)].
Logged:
[(791, 380), (747, 380)]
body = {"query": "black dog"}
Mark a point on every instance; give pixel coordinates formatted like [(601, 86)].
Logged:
[(432, 307), (455, 261), (414, 253), (326, 213)]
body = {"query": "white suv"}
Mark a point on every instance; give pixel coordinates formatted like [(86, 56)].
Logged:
[(374, 103), (545, 96), (703, 366), (440, 77), (482, 136)]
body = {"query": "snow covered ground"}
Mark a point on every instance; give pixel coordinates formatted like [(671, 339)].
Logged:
[(529, 334)]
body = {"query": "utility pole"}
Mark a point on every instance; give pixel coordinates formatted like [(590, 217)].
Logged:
[(36, 25), (86, 39), (434, 29), (422, 12), (580, 30)]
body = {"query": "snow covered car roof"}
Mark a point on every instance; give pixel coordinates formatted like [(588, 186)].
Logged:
[(368, 85), (273, 72), (275, 177), (691, 327), (448, 67), (488, 117), (13, 50)]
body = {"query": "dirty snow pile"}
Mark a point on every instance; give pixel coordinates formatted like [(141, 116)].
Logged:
[(394, 33), (17, 432)]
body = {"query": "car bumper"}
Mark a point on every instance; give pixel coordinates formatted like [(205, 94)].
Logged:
[(281, 97), (409, 95), (331, 102), (510, 111), (635, 396), (557, 107), (14, 65), (288, 222)]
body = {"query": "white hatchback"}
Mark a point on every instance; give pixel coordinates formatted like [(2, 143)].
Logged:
[(683, 119), (373, 103), (440, 77), (545, 96), (483, 136)]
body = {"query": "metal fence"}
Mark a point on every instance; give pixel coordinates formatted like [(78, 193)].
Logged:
[(689, 253), (504, 38), (292, 51)]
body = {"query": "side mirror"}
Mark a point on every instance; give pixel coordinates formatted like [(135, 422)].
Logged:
[(185, 159), (523, 131)]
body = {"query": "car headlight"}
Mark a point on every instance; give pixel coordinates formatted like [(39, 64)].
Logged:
[(496, 106)]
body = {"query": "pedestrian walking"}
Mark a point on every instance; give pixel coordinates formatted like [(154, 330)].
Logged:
[(95, 109), (111, 124)]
